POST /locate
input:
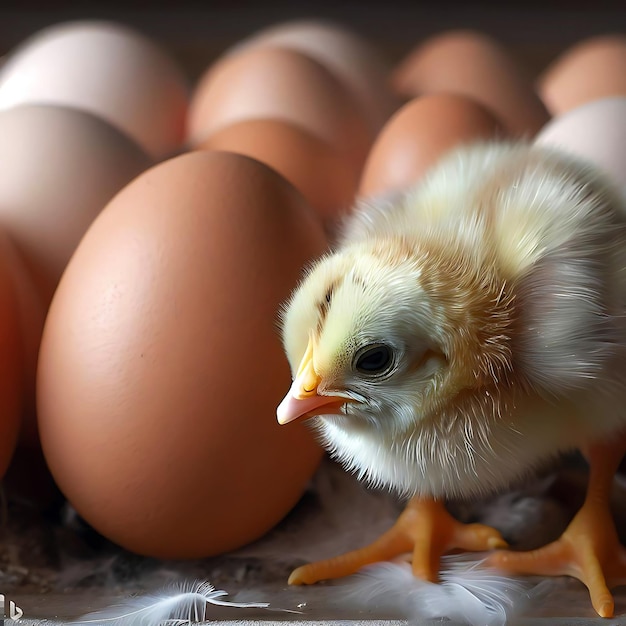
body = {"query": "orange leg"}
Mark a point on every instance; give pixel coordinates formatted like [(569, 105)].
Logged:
[(425, 528), (589, 549)]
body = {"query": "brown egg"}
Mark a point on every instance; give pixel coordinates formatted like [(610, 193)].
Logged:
[(28, 478), (325, 179), (161, 365), (418, 135), (11, 356), (476, 66), (32, 313), (272, 83), (349, 57), (592, 70)]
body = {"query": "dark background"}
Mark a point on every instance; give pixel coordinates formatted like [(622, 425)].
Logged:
[(195, 32)]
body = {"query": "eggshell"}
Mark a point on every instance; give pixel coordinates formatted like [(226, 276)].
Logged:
[(592, 70), (31, 312), (106, 69), (325, 179), (418, 135), (596, 132), (476, 66), (59, 168), (271, 83), (11, 357), (161, 366), (351, 58), (28, 477)]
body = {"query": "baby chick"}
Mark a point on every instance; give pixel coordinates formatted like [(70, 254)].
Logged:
[(462, 334)]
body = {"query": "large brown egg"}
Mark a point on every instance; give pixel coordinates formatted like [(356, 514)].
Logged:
[(418, 135), (161, 365), (473, 65), (592, 70), (11, 356), (313, 166), (273, 83)]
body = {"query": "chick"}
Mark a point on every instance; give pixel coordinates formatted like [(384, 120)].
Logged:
[(462, 334)]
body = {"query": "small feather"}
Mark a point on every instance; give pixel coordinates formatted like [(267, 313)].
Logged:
[(468, 593), (184, 604)]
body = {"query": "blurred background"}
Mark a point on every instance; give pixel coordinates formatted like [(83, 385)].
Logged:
[(195, 31)]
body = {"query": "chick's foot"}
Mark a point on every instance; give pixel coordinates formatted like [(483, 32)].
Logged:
[(589, 549), (425, 529)]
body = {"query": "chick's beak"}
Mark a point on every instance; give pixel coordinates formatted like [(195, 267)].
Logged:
[(303, 399)]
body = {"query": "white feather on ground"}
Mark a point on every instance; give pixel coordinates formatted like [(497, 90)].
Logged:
[(350, 516), (468, 593), (183, 604)]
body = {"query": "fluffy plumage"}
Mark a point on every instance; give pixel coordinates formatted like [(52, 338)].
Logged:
[(498, 285)]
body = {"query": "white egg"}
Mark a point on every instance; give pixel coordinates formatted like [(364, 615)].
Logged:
[(106, 69), (596, 132)]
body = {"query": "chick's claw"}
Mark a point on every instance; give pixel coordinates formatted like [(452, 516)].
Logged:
[(435, 532), (388, 546), (575, 554), (589, 548), (425, 529)]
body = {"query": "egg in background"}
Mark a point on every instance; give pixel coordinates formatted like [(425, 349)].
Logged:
[(161, 365), (60, 167), (595, 132), (11, 355), (106, 69), (351, 58), (593, 69), (279, 84), (418, 135), (31, 314), (473, 65), (27, 477), (311, 165)]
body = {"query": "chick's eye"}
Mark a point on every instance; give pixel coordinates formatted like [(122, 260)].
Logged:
[(376, 359)]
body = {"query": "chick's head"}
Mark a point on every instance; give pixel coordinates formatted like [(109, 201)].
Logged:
[(384, 341), (360, 330)]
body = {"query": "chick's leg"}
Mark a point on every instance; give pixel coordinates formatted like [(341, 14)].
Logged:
[(589, 549), (425, 529)]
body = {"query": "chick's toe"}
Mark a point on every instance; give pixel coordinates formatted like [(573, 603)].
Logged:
[(589, 549), (425, 529)]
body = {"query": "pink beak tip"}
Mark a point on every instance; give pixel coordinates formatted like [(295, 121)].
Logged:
[(292, 408)]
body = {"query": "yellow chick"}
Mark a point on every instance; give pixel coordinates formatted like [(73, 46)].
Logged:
[(461, 335)]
